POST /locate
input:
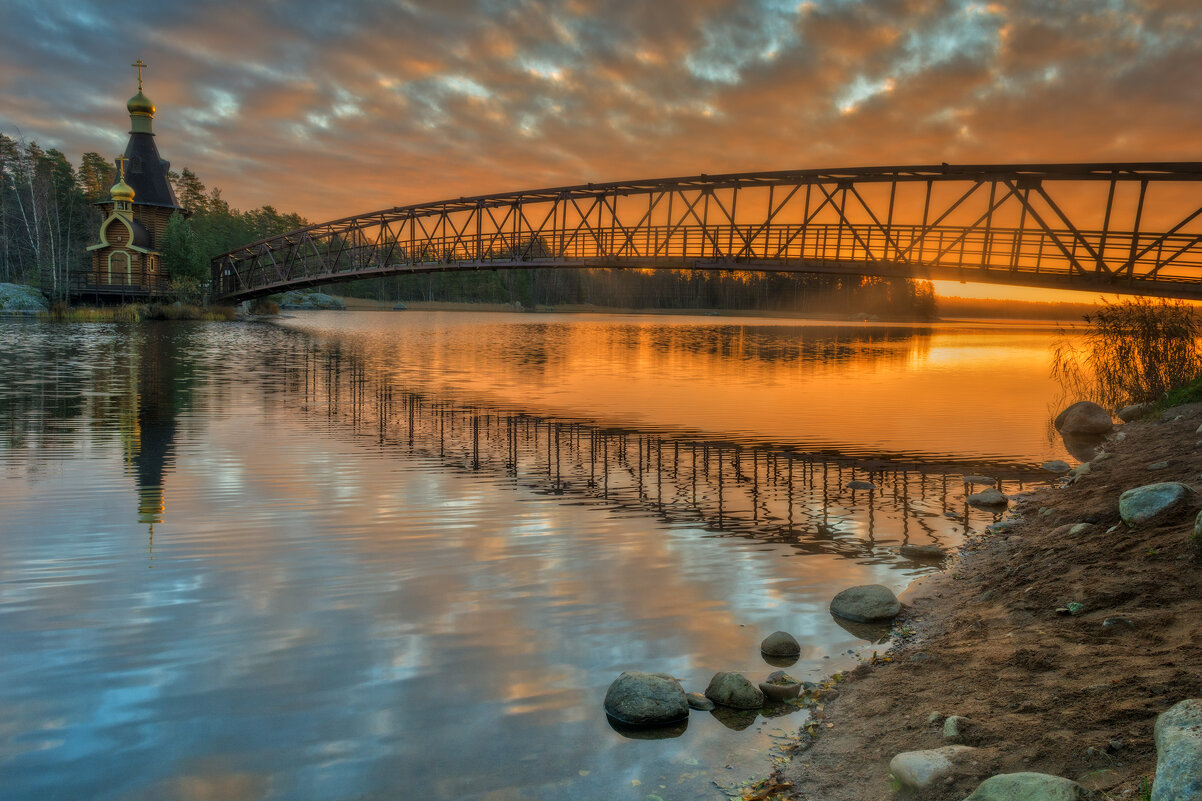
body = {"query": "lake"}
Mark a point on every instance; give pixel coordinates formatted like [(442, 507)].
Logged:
[(369, 555)]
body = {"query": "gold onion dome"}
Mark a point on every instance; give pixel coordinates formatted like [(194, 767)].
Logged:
[(122, 190), (140, 104)]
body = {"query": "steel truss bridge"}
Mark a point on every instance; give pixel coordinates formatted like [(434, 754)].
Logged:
[(1131, 227)]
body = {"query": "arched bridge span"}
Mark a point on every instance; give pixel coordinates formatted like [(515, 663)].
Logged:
[(1129, 227)]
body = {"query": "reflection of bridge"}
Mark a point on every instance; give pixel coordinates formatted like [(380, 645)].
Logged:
[(816, 501), (1130, 228)]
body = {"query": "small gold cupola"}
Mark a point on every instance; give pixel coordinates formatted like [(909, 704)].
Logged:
[(141, 109), (122, 193)]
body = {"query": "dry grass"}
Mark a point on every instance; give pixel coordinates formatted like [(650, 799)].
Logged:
[(133, 313)]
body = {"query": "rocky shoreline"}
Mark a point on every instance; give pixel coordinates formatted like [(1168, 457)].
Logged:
[(1049, 645)]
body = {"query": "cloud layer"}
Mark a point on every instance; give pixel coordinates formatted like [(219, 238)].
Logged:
[(334, 110)]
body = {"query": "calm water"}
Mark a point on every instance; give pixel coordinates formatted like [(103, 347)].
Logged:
[(377, 555)]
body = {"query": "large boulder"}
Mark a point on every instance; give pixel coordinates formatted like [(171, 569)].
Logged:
[(16, 297), (1178, 735), (867, 603), (1027, 787), (734, 690), (780, 643), (1084, 417), (1141, 504), (918, 770), (646, 699)]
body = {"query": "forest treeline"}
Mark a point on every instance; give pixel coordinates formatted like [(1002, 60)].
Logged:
[(661, 289), (48, 217)]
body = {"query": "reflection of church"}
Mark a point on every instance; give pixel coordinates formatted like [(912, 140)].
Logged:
[(149, 418), (126, 262)]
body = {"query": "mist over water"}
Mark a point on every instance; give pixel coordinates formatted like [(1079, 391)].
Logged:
[(360, 555)]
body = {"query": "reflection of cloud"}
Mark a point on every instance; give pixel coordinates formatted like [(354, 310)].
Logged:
[(415, 101)]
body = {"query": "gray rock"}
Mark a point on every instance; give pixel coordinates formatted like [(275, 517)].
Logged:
[(960, 729), (780, 643), (1027, 787), (1141, 504), (1084, 417), (16, 297), (1118, 623), (1134, 411), (866, 603), (1120, 436), (1056, 466), (1198, 527), (989, 497), (918, 770), (699, 702), (1079, 528), (987, 480), (861, 485), (1082, 469), (734, 690), (646, 699), (923, 553), (1046, 511), (1199, 430), (1178, 735), (1158, 466)]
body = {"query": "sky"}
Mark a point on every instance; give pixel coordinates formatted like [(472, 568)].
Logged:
[(331, 110)]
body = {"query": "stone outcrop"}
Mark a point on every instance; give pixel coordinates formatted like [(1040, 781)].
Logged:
[(16, 297)]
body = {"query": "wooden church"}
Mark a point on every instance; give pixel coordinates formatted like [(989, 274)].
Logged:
[(126, 263)]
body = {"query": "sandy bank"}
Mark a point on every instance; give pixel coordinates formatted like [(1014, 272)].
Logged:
[(1070, 695)]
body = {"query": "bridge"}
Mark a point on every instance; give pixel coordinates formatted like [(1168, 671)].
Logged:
[(1132, 228)]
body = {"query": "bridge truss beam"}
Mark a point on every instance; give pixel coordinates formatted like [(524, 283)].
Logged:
[(1133, 228)]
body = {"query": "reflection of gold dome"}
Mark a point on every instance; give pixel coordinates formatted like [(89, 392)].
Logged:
[(121, 190), (140, 104)]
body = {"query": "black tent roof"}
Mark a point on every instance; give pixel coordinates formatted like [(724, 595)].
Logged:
[(146, 172)]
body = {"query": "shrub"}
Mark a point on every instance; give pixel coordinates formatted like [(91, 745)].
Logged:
[(1135, 350)]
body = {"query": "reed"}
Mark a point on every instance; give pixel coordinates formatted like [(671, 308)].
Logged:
[(1133, 351)]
